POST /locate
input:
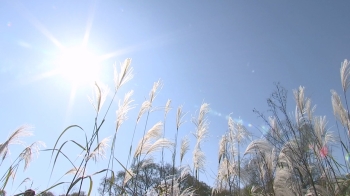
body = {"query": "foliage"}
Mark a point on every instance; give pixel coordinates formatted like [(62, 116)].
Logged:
[(47, 194), (149, 179)]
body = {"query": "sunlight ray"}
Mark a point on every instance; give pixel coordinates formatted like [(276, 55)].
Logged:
[(36, 23), (70, 103), (148, 44), (90, 21)]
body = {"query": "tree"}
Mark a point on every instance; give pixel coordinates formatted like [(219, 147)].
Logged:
[(149, 181), (82, 193), (149, 177), (47, 194), (200, 188)]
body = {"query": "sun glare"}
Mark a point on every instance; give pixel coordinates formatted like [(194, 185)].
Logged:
[(78, 65)]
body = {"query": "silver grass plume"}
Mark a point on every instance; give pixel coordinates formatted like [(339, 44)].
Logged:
[(28, 153), (240, 132), (101, 92), (282, 180), (299, 96), (76, 171), (146, 105), (185, 171), (290, 152), (260, 145), (147, 161), (153, 92), (124, 108), (179, 117), (323, 136), (320, 129), (344, 75), (201, 123), (275, 131), (339, 111), (124, 75), (309, 110), (15, 138), (100, 150), (185, 146), (231, 124), (153, 134), (198, 159), (167, 107), (204, 109), (222, 147), (303, 110), (226, 171), (157, 145), (176, 188), (128, 175), (201, 132)]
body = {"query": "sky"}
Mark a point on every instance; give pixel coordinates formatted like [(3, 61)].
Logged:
[(225, 53)]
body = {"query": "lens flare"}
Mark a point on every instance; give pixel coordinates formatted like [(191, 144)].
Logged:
[(347, 157)]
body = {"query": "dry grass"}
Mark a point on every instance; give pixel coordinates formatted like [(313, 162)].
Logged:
[(293, 158)]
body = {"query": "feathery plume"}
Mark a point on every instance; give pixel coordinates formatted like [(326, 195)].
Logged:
[(152, 93), (201, 133), (159, 144), (28, 152), (185, 146), (100, 150), (124, 75), (179, 117), (204, 109), (15, 138), (222, 147), (124, 108), (147, 161), (185, 170), (339, 111), (146, 105), (78, 172), (299, 96), (344, 75), (275, 131), (154, 133), (128, 175), (101, 92), (320, 128), (260, 145), (167, 107), (309, 110), (231, 124), (198, 159), (240, 132)]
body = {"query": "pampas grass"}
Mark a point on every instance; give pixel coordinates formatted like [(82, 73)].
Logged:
[(14, 138), (295, 157)]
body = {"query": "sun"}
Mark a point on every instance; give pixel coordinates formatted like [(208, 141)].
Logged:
[(78, 65)]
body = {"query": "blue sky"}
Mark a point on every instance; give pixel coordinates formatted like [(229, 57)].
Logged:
[(226, 53)]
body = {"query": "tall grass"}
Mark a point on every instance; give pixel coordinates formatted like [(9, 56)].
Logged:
[(295, 157)]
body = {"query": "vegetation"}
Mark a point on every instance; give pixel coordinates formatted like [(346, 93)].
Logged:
[(295, 156)]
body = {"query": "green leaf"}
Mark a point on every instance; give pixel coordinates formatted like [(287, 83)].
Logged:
[(10, 170), (53, 186), (66, 129)]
